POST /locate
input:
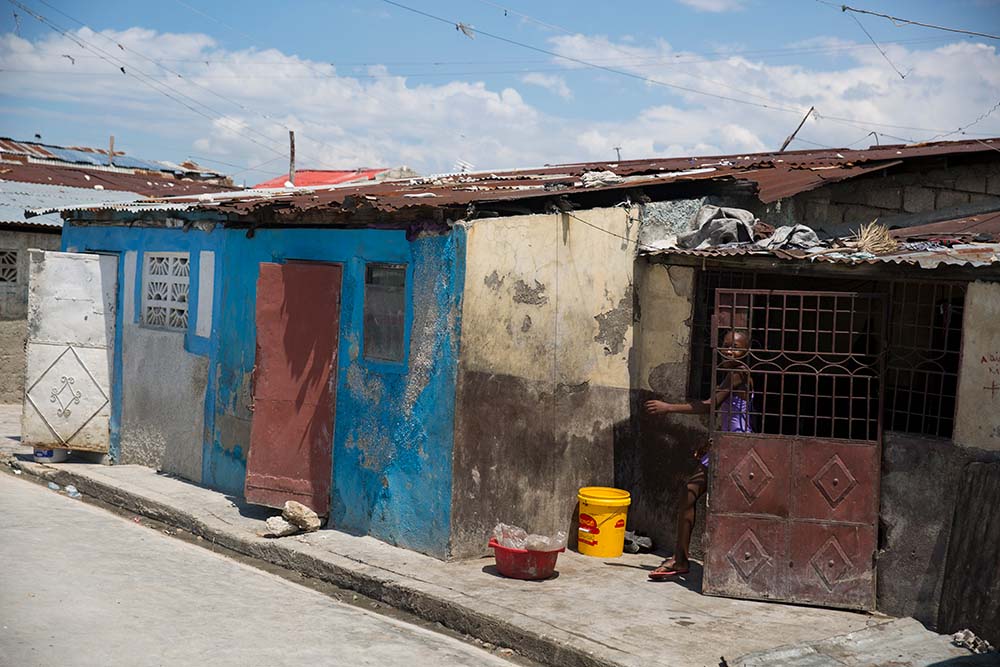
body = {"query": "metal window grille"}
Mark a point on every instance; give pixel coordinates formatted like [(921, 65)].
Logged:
[(707, 281), (165, 288), (813, 367), (924, 354), (8, 266)]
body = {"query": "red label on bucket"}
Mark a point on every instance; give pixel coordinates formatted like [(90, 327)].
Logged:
[(620, 523), (588, 524)]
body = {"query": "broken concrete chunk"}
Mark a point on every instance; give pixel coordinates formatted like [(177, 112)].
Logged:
[(301, 516), (278, 527)]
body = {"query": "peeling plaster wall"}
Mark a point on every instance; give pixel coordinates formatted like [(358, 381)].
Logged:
[(162, 391), (543, 395), (655, 467), (394, 425), (977, 419)]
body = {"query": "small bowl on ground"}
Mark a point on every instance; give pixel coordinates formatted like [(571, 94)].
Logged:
[(524, 563)]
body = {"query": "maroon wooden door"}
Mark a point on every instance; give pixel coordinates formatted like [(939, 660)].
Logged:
[(793, 506), (294, 386)]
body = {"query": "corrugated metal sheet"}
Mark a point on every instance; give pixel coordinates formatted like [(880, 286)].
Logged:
[(774, 176), (145, 184), (17, 197), (923, 255)]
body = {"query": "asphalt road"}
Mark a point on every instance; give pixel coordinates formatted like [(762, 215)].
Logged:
[(82, 586)]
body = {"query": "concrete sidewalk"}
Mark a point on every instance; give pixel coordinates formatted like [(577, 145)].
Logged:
[(595, 612)]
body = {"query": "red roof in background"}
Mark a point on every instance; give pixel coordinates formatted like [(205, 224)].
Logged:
[(314, 177)]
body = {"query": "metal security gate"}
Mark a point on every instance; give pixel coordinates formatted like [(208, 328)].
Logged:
[(793, 506)]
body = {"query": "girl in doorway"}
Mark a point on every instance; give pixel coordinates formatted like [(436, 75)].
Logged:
[(732, 398)]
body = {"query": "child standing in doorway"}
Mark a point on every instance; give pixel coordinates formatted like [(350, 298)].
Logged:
[(732, 398)]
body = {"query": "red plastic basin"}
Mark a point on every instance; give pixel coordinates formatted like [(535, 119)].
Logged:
[(524, 564)]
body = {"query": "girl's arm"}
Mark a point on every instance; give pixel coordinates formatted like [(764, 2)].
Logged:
[(655, 407)]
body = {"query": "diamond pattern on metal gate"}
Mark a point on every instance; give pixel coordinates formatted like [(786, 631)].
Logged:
[(66, 395), (831, 563), (748, 555), (751, 476), (834, 481)]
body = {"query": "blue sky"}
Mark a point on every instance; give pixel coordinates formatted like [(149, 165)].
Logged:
[(366, 83)]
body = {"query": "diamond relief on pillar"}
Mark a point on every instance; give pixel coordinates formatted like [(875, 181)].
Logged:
[(831, 563), (751, 476), (834, 481), (66, 395), (748, 555)]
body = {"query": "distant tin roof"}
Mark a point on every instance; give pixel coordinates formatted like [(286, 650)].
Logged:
[(33, 152), (16, 197), (148, 184), (313, 177)]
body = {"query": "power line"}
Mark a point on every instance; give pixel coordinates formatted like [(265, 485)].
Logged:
[(980, 118), (777, 106), (898, 21), (880, 49), (142, 76)]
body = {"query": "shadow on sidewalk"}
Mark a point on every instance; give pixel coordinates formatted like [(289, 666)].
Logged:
[(691, 581)]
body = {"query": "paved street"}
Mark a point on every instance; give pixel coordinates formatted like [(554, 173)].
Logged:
[(81, 586)]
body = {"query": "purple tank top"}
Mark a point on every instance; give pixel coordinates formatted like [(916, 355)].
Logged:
[(734, 417)]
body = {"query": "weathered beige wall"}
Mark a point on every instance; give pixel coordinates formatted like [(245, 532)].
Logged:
[(543, 398), (977, 419), (549, 298), (663, 335)]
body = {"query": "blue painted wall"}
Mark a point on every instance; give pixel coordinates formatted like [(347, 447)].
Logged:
[(393, 440)]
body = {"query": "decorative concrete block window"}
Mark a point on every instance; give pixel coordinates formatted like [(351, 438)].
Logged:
[(8, 266), (165, 286), (385, 312)]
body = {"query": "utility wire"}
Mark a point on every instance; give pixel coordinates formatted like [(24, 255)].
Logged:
[(880, 49), (778, 106), (224, 98), (962, 130), (898, 21), (144, 78)]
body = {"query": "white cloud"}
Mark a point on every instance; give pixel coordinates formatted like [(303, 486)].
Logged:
[(551, 82), (714, 5), (250, 97)]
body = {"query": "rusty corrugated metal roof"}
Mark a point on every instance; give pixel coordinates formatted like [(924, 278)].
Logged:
[(773, 176), (147, 185)]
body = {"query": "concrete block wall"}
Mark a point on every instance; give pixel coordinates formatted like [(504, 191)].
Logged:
[(14, 296), (840, 208)]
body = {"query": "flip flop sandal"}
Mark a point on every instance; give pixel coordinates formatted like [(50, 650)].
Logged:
[(663, 575)]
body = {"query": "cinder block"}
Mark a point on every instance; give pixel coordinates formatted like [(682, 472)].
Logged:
[(861, 215), (917, 199), (818, 212), (976, 198), (993, 185), (971, 179), (887, 197), (950, 198)]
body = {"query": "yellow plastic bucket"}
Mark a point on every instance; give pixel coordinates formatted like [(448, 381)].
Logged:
[(603, 511)]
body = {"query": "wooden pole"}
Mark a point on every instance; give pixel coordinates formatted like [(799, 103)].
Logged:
[(111, 151), (792, 135), (291, 157)]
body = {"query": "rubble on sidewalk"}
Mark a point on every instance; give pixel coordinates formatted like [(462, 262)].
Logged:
[(277, 526), (968, 639), (301, 516)]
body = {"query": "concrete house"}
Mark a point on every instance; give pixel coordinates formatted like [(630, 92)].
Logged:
[(420, 359)]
